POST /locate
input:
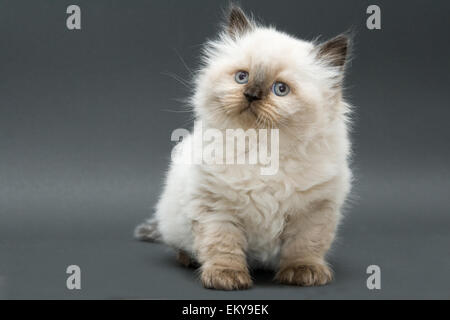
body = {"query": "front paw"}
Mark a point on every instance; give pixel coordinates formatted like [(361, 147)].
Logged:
[(305, 275), (225, 279)]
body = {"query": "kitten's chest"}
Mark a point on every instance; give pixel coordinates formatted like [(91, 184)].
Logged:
[(265, 204)]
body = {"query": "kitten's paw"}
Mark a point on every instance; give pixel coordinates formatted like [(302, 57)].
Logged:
[(305, 275), (225, 279)]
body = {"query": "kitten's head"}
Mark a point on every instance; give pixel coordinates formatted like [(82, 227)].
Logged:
[(257, 77)]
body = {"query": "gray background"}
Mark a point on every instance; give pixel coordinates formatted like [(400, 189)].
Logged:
[(84, 145)]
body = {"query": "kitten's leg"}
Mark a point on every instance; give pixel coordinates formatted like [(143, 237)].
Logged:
[(185, 259), (148, 231), (220, 247), (306, 239)]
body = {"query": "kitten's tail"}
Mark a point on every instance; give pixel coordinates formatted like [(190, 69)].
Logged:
[(148, 231)]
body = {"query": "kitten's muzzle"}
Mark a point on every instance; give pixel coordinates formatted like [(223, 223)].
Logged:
[(253, 94)]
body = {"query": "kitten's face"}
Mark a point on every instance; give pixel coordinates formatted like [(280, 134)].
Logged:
[(261, 78)]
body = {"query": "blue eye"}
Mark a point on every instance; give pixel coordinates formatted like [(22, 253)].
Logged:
[(280, 89), (241, 77)]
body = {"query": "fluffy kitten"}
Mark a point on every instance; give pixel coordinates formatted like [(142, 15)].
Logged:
[(230, 217)]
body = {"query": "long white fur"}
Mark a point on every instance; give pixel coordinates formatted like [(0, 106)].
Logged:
[(313, 154)]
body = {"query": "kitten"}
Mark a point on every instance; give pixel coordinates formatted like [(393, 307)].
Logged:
[(228, 218)]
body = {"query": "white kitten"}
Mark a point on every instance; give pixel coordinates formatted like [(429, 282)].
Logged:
[(227, 217)]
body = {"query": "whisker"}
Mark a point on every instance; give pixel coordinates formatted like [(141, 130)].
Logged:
[(177, 78), (176, 111), (184, 62)]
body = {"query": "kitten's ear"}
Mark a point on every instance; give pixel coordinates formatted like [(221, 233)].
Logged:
[(335, 51), (237, 23)]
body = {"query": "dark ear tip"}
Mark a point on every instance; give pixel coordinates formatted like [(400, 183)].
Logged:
[(235, 13), (233, 8), (336, 49), (238, 22), (341, 40), (346, 39)]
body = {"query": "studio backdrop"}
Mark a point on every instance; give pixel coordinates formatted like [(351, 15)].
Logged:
[(88, 106)]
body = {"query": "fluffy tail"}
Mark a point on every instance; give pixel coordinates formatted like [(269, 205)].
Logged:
[(148, 231)]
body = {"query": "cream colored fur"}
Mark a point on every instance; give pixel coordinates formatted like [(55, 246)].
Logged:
[(230, 217)]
